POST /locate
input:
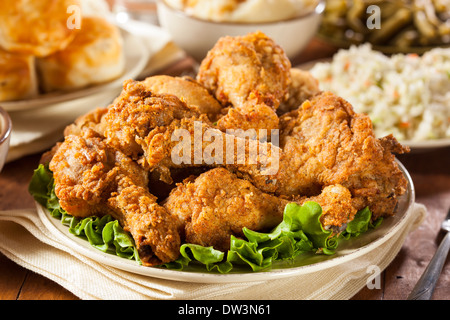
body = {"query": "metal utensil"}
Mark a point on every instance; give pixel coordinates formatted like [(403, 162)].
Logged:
[(427, 282)]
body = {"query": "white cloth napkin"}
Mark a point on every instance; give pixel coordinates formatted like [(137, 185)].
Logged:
[(36, 130), (25, 240)]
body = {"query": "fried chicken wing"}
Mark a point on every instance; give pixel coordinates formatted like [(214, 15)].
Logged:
[(136, 112), (325, 142), (249, 73), (93, 179)]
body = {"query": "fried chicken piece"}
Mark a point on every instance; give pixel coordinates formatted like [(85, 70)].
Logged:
[(303, 86), (93, 119), (93, 179), (249, 73), (325, 142), (153, 229), (217, 204), (188, 90), (136, 112), (255, 116), (188, 143), (337, 207), (161, 132)]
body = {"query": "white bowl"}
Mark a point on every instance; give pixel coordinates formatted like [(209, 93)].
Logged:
[(5, 135), (197, 36)]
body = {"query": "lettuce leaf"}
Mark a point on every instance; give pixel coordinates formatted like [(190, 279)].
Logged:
[(249, 253), (41, 184), (307, 219), (103, 233), (211, 258), (360, 224)]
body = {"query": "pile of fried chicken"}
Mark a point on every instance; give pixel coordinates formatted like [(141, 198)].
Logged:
[(118, 160)]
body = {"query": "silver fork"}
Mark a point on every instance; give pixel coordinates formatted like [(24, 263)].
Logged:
[(425, 286)]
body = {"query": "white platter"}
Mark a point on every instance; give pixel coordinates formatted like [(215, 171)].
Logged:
[(348, 250)]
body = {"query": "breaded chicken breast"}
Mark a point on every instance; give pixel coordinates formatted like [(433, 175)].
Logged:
[(325, 142)]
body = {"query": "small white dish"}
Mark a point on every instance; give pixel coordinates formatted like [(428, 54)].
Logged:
[(5, 136)]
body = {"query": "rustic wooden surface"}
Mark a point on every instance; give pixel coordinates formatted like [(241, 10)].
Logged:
[(430, 172)]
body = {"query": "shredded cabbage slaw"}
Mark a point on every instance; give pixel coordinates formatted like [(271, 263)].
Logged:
[(405, 95)]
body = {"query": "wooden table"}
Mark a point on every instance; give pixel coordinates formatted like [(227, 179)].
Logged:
[(430, 172)]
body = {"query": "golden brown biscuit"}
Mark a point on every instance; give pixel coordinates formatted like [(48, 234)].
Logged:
[(36, 27), (17, 76), (94, 56)]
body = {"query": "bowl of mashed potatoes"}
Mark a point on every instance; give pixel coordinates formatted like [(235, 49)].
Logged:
[(196, 25)]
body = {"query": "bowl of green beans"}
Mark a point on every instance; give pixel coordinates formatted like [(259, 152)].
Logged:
[(390, 26)]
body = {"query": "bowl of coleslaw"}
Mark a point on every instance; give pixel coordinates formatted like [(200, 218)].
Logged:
[(406, 95)]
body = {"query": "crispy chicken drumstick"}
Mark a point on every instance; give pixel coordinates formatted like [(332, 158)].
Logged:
[(145, 126), (92, 178)]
